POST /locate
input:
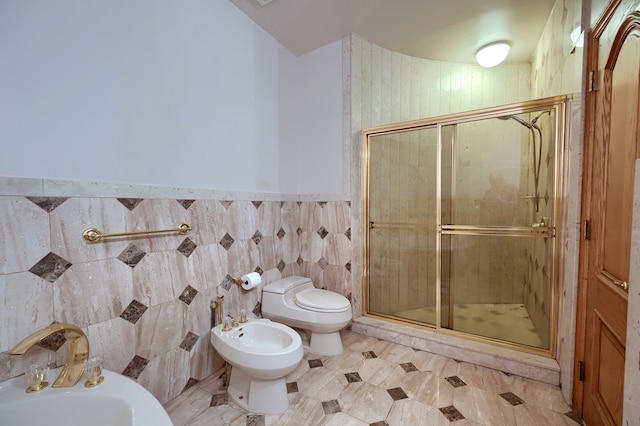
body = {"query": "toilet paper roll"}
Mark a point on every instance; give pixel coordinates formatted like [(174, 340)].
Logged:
[(251, 280)]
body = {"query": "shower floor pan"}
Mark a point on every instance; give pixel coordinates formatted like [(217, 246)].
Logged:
[(509, 322)]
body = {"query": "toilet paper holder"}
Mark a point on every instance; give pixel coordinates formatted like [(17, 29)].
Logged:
[(248, 281)]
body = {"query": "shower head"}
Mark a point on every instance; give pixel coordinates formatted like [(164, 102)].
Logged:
[(518, 119)]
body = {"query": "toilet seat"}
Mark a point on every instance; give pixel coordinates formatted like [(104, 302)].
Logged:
[(321, 301)]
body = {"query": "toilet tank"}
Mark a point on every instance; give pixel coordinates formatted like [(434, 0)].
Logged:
[(284, 285)]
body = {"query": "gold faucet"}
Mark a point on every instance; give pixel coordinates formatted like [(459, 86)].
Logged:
[(77, 354)]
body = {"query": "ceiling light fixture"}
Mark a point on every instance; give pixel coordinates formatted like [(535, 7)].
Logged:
[(492, 54)]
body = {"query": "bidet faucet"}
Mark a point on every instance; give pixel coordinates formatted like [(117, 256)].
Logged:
[(77, 354)]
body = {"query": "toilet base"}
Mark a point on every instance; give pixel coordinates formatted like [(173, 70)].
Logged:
[(325, 343), (257, 395)]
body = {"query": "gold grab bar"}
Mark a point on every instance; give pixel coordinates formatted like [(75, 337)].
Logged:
[(92, 235)]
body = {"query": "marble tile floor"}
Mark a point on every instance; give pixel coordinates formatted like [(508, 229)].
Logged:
[(374, 382)]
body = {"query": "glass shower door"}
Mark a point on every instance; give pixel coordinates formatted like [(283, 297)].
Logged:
[(402, 194), (497, 228)]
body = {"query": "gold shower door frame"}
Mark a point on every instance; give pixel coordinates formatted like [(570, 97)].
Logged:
[(558, 105)]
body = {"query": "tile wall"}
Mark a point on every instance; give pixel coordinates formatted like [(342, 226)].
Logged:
[(144, 301)]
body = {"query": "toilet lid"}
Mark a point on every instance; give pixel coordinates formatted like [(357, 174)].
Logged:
[(322, 300)]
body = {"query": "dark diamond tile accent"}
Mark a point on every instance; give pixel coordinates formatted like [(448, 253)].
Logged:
[(227, 283), (455, 381), (397, 394), (133, 312), (186, 203), (331, 407), (130, 203), (219, 399), (187, 247), (190, 383), (512, 398), (257, 310), (322, 232), (322, 204), (348, 296), (380, 423), (353, 377), (292, 387), (256, 204), (348, 233), (348, 203), (257, 236), (135, 367), (255, 420), (451, 413), (53, 342), (132, 255), (369, 355), (281, 266), (50, 267), (322, 263), (299, 231), (226, 203), (48, 204), (189, 341), (281, 234), (408, 367), (299, 203), (314, 363), (573, 415), (299, 261), (348, 266), (259, 270), (227, 241)]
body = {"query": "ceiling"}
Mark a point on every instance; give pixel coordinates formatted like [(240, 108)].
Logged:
[(441, 30)]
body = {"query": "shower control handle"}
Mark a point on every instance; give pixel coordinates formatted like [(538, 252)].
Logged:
[(622, 284), (543, 223)]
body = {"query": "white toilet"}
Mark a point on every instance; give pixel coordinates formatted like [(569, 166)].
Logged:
[(261, 354), (318, 314)]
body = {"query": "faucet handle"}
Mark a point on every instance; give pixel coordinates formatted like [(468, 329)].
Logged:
[(36, 376)]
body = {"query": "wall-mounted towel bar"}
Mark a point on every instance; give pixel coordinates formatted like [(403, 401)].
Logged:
[(92, 235)]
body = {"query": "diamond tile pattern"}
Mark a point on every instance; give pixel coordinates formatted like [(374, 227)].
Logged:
[(227, 241), (257, 237), (512, 398), (133, 312), (189, 341), (187, 247), (323, 232), (330, 407), (135, 367), (130, 203), (338, 390), (186, 203), (188, 294), (50, 267), (132, 255), (48, 204)]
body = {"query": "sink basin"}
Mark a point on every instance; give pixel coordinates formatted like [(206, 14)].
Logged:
[(118, 401)]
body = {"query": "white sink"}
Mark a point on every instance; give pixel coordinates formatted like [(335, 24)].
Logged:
[(118, 401)]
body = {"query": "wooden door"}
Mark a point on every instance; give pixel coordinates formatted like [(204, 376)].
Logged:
[(613, 144)]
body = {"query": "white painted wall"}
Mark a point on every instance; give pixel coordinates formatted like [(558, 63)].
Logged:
[(155, 92)]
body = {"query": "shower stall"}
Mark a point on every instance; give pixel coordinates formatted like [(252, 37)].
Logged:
[(461, 216)]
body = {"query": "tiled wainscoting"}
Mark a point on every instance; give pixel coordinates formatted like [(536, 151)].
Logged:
[(144, 302)]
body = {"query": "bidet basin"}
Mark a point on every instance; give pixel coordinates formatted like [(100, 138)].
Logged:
[(262, 348), (118, 400)]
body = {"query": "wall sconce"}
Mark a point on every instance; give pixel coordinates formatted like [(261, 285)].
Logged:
[(492, 54)]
